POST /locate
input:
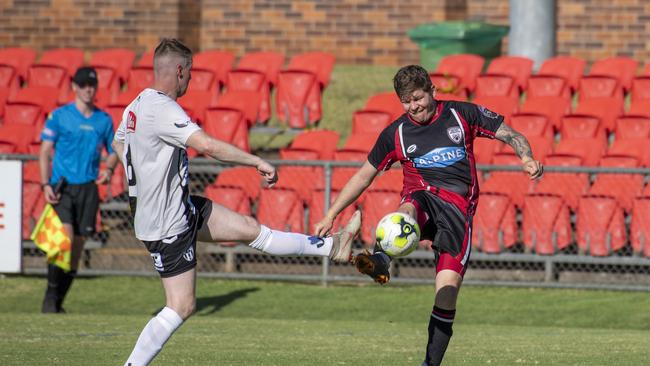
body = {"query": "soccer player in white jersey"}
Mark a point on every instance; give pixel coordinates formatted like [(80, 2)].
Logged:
[(151, 142)]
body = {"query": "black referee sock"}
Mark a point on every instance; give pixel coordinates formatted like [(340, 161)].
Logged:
[(54, 279), (440, 332), (64, 286)]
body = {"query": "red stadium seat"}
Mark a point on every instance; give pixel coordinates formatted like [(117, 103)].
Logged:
[(370, 122), (639, 229), (9, 80), (494, 226), (621, 68), (541, 146), (631, 127), (245, 178), (115, 187), (31, 172), (518, 68), (640, 88), (623, 187), (108, 82), (634, 147), (388, 181), (531, 124), (23, 113), (551, 107), (69, 58), (376, 205), (53, 76), (385, 102), (639, 107), (581, 126), (567, 67), (219, 62), (496, 85), (280, 209), (146, 59), (547, 86), (546, 224), (317, 211), (600, 226), (448, 85), (4, 95), (320, 64), (204, 80), (255, 81), (607, 109), (360, 142), (589, 149), (515, 184), (323, 142), (119, 60), (245, 101), (505, 106), (196, 102), (301, 179), (465, 67), (484, 150), (19, 135), (293, 96), (227, 125), (43, 96), (140, 77), (267, 62), (31, 196), (230, 197), (19, 58), (341, 174), (600, 86), (569, 186)]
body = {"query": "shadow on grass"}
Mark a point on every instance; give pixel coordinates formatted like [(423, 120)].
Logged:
[(212, 304)]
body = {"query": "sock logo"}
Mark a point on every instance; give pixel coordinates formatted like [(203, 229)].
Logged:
[(316, 240)]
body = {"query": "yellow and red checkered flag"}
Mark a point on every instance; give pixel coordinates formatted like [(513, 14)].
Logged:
[(51, 238)]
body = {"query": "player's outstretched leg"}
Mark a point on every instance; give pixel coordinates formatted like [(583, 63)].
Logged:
[(376, 266), (342, 241)]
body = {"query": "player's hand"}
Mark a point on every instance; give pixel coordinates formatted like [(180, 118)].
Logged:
[(50, 197), (104, 177), (534, 168), (323, 227), (268, 172)]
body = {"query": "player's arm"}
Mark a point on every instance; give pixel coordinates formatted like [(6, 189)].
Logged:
[(118, 148), (520, 145), (352, 190), (222, 151), (44, 168)]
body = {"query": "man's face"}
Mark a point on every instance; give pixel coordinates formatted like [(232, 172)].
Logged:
[(85, 92), (184, 77), (419, 104)]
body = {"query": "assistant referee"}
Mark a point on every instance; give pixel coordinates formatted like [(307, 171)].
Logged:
[(78, 132)]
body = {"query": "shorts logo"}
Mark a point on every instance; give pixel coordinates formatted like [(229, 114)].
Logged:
[(455, 134), (130, 122), (189, 254), (487, 113), (157, 261), (411, 148)]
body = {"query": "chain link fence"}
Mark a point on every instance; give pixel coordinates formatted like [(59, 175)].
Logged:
[(576, 227)]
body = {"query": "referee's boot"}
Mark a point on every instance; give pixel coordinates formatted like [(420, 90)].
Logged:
[(342, 241), (376, 266)]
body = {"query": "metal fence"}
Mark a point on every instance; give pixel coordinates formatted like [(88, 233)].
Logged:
[(577, 227)]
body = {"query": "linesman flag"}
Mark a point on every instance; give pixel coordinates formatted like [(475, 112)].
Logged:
[(50, 237)]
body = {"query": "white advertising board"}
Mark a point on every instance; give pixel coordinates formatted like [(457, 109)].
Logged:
[(11, 193)]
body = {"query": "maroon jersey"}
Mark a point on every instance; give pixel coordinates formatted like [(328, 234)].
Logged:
[(438, 155)]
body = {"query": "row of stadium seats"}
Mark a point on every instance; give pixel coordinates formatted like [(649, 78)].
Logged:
[(217, 83)]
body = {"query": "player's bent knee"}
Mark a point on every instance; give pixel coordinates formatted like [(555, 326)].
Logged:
[(184, 308)]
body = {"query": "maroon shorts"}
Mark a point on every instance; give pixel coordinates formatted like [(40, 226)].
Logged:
[(446, 226)]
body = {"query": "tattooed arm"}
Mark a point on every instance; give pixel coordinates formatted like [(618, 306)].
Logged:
[(522, 148)]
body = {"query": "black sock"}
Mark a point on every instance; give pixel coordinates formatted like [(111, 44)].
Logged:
[(439, 334), (64, 286), (54, 278)]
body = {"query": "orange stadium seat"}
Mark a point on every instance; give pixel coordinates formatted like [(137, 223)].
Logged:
[(146, 59), (301, 179), (569, 186), (621, 68), (515, 184), (317, 211), (581, 126), (245, 101), (496, 85), (389, 181), (552, 108), (140, 77), (541, 146), (484, 150), (370, 122), (246, 178), (220, 62), (589, 149), (9, 79), (323, 142), (108, 82), (280, 209), (518, 68), (342, 174), (623, 187), (227, 125), (31, 172), (204, 80), (385, 102), (116, 112), (568, 67), (547, 86), (20, 58), (546, 224), (23, 113), (631, 127), (640, 88), (251, 80), (504, 105), (607, 109), (53, 76), (268, 62), (376, 204), (600, 86), (31, 197), (230, 197), (360, 142), (320, 64), (4, 95), (465, 67), (447, 85), (115, 187), (600, 226), (196, 102), (494, 226), (294, 88), (531, 124), (633, 147), (43, 96), (639, 229), (120, 60), (639, 107), (69, 58), (21, 135)]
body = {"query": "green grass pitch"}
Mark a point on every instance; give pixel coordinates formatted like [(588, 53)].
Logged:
[(271, 323)]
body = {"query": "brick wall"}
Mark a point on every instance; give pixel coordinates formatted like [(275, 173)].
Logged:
[(356, 31)]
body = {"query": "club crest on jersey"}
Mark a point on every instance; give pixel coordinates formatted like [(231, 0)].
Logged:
[(487, 113), (440, 157), (455, 134), (130, 122), (411, 148)]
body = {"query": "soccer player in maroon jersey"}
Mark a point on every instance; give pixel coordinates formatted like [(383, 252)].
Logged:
[(433, 143)]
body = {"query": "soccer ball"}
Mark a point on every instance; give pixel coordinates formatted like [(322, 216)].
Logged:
[(397, 234)]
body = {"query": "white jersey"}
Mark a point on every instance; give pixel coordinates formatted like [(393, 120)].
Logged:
[(154, 130)]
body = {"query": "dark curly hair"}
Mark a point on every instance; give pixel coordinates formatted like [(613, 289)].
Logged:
[(410, 78)]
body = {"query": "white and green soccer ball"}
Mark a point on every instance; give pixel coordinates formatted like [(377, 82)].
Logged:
[(397, 234)]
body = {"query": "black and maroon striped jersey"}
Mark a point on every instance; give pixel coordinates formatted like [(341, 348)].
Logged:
[(438, 156)]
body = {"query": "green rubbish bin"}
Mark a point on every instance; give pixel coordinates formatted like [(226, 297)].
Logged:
[(437, 40)]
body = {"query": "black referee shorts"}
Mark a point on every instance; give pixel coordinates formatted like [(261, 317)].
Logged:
[(78, 207), (177, 254)]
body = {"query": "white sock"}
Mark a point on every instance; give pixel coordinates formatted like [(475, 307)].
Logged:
[(283, 243), (154, 336)]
